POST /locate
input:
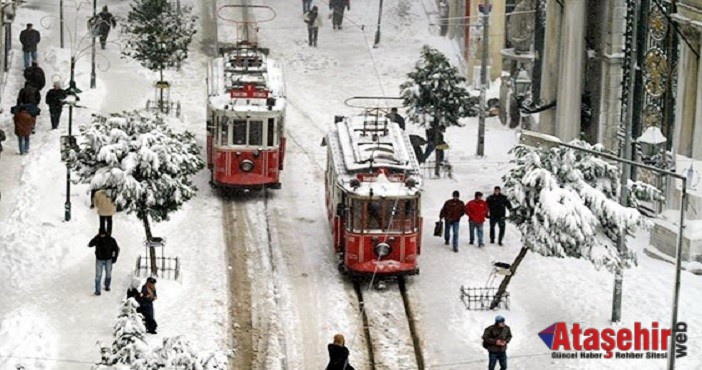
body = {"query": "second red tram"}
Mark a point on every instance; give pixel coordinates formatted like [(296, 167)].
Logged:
[(373, 188), (245, 119)]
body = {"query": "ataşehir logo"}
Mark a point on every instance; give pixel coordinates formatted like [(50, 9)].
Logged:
[(621, 342)]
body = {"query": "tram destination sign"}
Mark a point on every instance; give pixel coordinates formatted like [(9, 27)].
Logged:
[(248, 91)]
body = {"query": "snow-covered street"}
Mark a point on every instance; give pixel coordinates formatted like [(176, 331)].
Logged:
[(258, 272)]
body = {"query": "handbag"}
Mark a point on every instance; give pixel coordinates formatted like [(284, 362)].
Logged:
[(438, 228)]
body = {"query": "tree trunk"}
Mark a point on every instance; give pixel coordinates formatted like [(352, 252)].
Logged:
[(505, 282), (152, 250), (160, 99)]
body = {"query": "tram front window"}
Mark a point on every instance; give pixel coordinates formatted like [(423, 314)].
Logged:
[(256, 133), (239, 132)]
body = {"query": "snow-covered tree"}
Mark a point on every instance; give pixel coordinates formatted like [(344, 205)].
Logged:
[(128, 346), (565, 204), (434, 93), (129, 350), (158, 35), (143, 164)]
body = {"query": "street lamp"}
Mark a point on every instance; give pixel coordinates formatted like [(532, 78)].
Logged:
[(652, 143), (68, 142), (522, 84), (536, 139)]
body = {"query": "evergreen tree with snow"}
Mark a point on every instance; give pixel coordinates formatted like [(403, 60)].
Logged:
[(128, 346), (143, 164), (158, 35), (434, 93), (565, 204)]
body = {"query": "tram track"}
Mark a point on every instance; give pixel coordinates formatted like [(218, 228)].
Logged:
[(384, 331), (254, 283)]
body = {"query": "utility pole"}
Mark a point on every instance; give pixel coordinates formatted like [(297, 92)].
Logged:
[(72, 90), (377, 31), (626, 168), (61, 20), (92, 63), (483, 79)]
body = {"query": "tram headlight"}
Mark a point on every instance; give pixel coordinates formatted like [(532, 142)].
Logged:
[(382, 249), (246, 165)]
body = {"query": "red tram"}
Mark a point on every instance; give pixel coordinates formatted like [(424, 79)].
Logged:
[(245, 119), (373, 187)]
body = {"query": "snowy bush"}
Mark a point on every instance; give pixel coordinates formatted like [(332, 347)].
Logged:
[(435, 94), (566, 204), (128, 346), (144, 166), (129, 350), (158, 34)]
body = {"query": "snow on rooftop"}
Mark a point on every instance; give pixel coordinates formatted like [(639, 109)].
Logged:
[(365, 144)]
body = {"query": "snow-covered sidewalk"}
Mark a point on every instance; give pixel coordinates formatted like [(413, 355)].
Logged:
[(46, 270)]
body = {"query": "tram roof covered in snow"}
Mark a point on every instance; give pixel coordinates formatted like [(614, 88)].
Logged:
[(372, 153), (252, 74)]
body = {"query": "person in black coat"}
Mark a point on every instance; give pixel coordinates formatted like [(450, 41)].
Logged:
[(106, 253), (338, 355), (34, 75), (133, 292), (54, 99), (497, 206), (148, 296), (107, 21), (28, 95), (337, 7), (396, 117), (29, 38)]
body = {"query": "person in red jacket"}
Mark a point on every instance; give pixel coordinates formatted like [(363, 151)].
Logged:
[(451, 212), (477, 211)]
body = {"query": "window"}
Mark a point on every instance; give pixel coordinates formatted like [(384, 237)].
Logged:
[(270, 132), (356, 223), (256, 133), (375, 215), (224, 130), (239, 132)]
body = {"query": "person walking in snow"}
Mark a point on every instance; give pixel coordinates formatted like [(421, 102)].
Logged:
[(497, 211), (338, 354), (495, 339), (107, 21), (393, 116), (306, 6), (24, 125), (54, 99), (34, 75), (148, 296), (29, 95), (105, 209), (106, 253), (477, 211), (314, 21), (29, 38), (337, 7), (451, 213)]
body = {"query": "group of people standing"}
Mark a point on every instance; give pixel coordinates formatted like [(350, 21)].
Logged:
[(311, 16), (477, 210)]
